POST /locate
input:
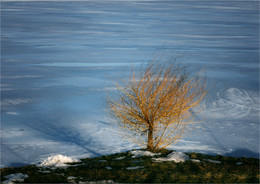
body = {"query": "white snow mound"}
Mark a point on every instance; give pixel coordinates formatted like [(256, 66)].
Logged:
[(139, 153), (174, 156), (15, 177), (57, 161)]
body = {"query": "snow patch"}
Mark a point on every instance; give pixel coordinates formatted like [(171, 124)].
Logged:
[(239, 163), (213, 161), (57, 161), (98, 182), (136, 167), (139, 153), (174, 156), (120, 158), (71, 179), (44, 171), (15, 177), (195, 160)]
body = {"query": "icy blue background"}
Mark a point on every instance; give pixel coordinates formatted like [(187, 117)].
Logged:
[(58, 59)]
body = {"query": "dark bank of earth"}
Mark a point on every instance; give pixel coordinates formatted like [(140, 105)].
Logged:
[(124, 168)]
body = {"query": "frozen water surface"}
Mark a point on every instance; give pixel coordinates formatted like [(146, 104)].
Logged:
[(58, 60)]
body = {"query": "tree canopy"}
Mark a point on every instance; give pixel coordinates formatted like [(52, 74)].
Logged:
[(156, 103)]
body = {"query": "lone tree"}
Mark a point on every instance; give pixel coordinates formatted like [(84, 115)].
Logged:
[(156, 103)]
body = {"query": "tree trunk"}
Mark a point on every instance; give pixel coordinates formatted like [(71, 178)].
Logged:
[(150, 145)]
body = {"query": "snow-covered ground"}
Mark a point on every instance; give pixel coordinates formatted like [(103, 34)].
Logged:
[(59, 58)]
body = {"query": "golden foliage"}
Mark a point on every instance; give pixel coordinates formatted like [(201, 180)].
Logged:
[(156, 103)]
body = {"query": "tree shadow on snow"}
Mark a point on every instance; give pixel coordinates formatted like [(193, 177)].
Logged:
[(58, 130)]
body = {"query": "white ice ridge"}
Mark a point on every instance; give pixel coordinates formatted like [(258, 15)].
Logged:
[(174, 156), (57, 161)]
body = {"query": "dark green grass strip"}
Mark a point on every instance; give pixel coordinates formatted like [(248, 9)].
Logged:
[(96, 169)]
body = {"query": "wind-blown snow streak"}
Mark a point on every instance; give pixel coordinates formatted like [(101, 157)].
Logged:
[(20, 76), (16, 101), (232, 104), (64, 64), (7, 103)]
